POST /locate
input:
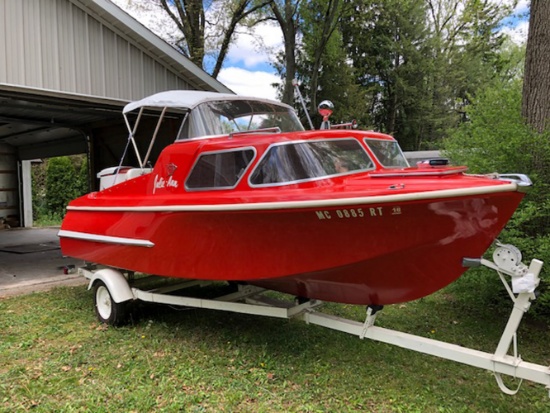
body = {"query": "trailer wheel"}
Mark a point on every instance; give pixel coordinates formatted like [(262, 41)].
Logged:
[(107, 310)]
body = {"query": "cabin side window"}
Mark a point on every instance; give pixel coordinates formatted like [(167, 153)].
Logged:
[(219, 170), (301, 161)]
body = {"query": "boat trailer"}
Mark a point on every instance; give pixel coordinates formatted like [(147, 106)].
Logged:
[(115, 290)]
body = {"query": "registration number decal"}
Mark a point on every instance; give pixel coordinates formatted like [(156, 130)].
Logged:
[(353, 213)]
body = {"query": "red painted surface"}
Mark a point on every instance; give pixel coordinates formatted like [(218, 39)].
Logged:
[(353, 251)]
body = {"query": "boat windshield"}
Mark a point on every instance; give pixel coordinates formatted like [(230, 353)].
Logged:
[(388, 153), (233, 116), (300, 161)]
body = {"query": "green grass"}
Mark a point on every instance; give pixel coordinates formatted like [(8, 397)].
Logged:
[(47, 220), (55, 356)]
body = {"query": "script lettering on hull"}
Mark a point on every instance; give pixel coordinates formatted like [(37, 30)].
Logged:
[(160, 183)]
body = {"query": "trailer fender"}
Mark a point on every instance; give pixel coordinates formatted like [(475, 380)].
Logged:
[(115, 282)]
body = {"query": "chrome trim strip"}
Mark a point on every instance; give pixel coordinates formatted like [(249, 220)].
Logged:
[(324, 203), (105, 239)]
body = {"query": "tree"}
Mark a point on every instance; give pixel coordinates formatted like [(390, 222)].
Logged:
[(236, 13), (320, 20), (536, 85), (286, 14), (387, 43), (191, 21), (422, 60), (203, 28), (466, 51), (496, 138), (190, 18), (323, 68)]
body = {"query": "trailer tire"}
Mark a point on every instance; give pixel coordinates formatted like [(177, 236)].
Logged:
[(107, 310)]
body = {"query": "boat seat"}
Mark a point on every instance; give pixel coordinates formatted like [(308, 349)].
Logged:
[(135, 172)]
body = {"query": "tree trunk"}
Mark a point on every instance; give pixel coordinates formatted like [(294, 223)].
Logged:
[(290, 63), (329, 25), (191, 22), (286, 17), (239, 14), (536, 84)]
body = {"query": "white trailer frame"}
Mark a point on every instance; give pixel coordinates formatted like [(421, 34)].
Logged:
[(113, 291)]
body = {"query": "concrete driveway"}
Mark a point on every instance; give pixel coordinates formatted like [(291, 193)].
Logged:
[(31, 260)]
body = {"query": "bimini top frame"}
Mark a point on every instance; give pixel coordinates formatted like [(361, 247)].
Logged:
[(182, 101)]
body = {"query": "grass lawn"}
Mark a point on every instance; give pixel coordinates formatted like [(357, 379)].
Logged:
[(55, 356)]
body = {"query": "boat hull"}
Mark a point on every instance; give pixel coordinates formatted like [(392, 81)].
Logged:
[(357, 253)]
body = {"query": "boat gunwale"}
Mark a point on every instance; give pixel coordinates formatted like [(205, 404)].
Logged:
[(314, 203)]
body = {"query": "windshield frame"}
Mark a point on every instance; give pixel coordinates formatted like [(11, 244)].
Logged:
[(209, 119)]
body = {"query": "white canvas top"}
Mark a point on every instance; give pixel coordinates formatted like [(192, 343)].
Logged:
[(187, 99)]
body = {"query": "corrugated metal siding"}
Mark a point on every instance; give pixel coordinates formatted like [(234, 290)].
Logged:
[(135, 83), (66, 34), (13, 37), (46, 30), (52, 44), (31, 44)]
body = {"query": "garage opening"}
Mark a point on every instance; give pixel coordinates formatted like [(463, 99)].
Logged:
[(37, 125)]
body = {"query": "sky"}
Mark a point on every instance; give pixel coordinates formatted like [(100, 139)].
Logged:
[(517, 26), (247, 69)]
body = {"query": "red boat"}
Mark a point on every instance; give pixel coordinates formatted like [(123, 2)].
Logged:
[(246, 194)]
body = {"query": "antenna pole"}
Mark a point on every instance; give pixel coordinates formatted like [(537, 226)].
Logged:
[(295, 84)]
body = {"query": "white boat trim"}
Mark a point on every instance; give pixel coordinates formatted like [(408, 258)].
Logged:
[(323, 203), (105, 239), (419, 173)]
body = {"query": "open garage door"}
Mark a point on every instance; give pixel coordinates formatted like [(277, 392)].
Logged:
[(44, 124), (37, 124)]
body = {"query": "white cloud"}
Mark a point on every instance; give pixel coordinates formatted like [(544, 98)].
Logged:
[(256, 48), (249, 52), (249, 83), (522, 6), (518, 33), (516, 26)]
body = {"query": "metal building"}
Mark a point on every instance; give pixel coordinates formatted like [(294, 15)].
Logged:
[(67, 67)]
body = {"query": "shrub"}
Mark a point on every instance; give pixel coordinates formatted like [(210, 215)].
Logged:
[(57, 181), (496, 138), (60, 175)]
